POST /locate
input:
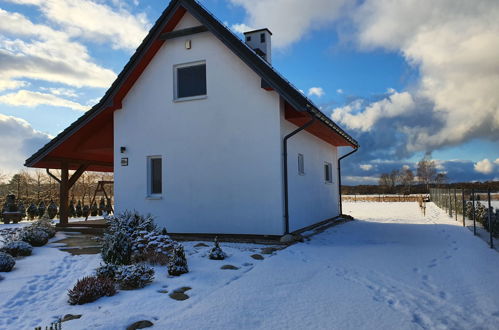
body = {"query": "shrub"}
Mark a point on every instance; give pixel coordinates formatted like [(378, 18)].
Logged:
[(152, 247), (117, 247), (32, 211), (134, 276), (41, 209), (132, 222), (94, 210), (216, 252), (34, 236), (178, 263), (79, 211), (106, 270), (46, 225), (17, 249), (52, 210), (7, 262), (89, 289)]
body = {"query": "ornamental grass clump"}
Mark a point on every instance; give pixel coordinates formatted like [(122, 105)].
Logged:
[(7, 262), (216, 252), (17, 249), (178, 263), (89, 289)]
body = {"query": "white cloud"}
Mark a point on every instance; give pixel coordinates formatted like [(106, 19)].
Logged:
[(33, 99), (95, 21), (317, 91), (11, 84), (68, 92), (340, 91), (241, 28), (290, 20), (45, 54), (366, 167), (453, 44), (358, 179), (406, 167), (496, 161), (484, 166), (18, 140), (395, 105)]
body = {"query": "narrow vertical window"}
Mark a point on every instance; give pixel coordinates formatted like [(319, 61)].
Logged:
[(262, 37), (155, 176), (328, 172), (301, 164)]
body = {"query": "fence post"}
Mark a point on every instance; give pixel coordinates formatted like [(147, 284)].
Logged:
[(464, 209), (473, 210), (489, 211), (455, 203)]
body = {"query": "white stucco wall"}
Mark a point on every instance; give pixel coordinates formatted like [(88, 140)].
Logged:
[(221, 155), (311, 199)]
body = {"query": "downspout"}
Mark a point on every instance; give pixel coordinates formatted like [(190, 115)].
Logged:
[(285, 169), (339, 175)]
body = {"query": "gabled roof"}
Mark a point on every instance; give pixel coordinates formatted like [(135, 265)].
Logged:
[(148, 48)]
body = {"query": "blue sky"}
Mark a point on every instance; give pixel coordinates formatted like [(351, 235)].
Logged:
[(404, 79)]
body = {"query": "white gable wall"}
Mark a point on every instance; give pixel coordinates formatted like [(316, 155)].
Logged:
[(311, 199), (221, 155)]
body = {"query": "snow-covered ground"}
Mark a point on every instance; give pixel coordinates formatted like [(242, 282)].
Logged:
[(392, 268)]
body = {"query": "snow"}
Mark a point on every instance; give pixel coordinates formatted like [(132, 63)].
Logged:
[(391, 268)]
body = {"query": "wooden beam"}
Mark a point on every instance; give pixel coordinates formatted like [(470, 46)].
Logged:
[(76, 175), (182, 32), (53, 176), (64, 194)]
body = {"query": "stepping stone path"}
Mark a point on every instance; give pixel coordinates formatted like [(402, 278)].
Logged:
[(269, 250), (69, 317), (257, 256), (179, 294), (229, 267), (200, 245), (78, 243), (140, 325)]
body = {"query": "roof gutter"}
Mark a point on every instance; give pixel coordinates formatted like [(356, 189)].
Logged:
[(339, 175), (285, 168)]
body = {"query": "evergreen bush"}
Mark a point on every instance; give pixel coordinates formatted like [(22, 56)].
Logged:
[(102, 206), (72, 209), (41, 209), (216, 252), (106, 270), (89, 289), (79, 211), (94, 210), (52, 210), (17, 249), (134, 276), (178, 263), (117, 247), (152, 247), (85, 211), (7, 262), (35, 236), (32, 211)]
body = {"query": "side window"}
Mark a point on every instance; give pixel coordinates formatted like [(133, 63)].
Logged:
[(155, 176), (301, 164), (190, 80), (328, 172), (262, 37)]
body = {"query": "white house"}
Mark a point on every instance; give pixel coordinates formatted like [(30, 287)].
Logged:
[(203, 133)]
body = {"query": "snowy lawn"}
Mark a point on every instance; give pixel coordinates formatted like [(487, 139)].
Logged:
[(392, 268)]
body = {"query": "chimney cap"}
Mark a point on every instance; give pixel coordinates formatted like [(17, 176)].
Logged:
[(259, 30)]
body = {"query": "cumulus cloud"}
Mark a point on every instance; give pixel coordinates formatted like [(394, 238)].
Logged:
[(241, 28), (484, 166), (305, 17), (366, 167), (453, 45), (36, 51), (496, 161), (316, 91), (33, 99), (18, 140), (95, 21)]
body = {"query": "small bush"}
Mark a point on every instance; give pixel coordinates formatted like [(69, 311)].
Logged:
[(89, 289), (106, 270), (178, 263), (152, 247), (117, 248), (34, 236), (17, 249), (7, 262), (46, 225), (216, 252), (134, 276)]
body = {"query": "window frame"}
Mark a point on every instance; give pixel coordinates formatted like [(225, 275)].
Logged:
[(301, 164), (176, 98), (150, 194), (328, 171)]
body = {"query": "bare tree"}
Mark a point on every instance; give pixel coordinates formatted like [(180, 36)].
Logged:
[(427, 171), (407, 179), (441, 178)]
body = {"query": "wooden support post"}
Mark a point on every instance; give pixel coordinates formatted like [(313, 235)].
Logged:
[(64, 194)]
